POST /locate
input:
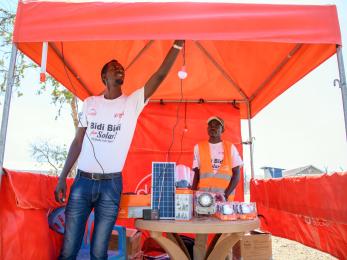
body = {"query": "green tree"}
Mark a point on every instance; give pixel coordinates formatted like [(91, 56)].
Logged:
[(7, 19), (60, 96), (46, 152)]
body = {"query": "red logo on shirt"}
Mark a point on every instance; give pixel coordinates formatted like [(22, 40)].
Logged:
[(92, 112), (119, 115)]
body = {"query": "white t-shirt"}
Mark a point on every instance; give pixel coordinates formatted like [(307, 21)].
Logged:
[(217, 156), (110, 128)]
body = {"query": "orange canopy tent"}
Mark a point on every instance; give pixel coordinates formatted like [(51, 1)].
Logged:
[(243, 52), (235, 53), (239, 53)]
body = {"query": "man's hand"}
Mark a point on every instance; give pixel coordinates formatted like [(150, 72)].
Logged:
[(233, 182), (60, 191), (74, 151), (157, 78)]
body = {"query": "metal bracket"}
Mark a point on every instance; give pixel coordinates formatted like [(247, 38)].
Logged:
[(233, 103), (248, 142), (337, 82)]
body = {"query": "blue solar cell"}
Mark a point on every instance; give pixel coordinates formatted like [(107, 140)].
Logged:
[(163, 188)]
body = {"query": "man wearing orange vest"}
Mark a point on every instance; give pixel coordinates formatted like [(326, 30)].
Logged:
[(216, 163), (217, 169)]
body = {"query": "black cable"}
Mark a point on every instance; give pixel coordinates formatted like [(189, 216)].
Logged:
[(162, 175), (183, 132), (76, 103), (178, 106), (177, 120)]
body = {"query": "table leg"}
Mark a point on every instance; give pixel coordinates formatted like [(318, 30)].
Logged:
[(177, 239), (174, 251), (212, 244), (223, 246), (200, 246)]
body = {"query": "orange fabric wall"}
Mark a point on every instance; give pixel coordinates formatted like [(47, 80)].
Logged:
[(27, 198), (310, 210), (25, 203), (154, 134)]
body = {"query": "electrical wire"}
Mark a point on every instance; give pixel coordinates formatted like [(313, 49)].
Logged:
[(173, 131), (178, 105), (172, 142), (183, 131), (76, 103)]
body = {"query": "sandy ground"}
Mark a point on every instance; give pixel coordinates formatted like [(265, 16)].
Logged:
[(291, 250), (287, 249)]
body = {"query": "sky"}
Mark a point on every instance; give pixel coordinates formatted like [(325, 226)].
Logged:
[(303, 126)]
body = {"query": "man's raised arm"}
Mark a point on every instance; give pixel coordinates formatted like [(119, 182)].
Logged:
[(158, 77)]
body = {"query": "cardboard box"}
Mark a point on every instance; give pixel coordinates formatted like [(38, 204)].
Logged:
[(133, 242), (131, 212), (135, 200), (132, 205), (183, 204), (255, 245)]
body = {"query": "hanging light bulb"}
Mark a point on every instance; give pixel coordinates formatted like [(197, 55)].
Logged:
[(43, 62), (182, 74)]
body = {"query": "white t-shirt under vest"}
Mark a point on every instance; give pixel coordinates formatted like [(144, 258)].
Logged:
[(217, 156), (110, 128)]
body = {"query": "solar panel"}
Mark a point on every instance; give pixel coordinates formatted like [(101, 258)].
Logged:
[(163, 188)]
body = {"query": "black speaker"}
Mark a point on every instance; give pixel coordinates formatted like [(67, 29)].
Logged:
[(150, 214)]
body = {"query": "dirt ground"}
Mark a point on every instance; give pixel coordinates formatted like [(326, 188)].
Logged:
[(291, 250), (287, 249)]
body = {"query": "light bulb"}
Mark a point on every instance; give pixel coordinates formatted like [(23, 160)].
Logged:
[(182, 74), (205, 199)]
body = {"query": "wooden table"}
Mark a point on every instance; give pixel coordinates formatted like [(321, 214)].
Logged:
[(228, 233)]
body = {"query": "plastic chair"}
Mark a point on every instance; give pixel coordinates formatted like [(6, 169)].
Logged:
[(119, 254)]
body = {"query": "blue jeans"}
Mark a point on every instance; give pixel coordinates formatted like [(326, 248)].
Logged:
[(86, 194)]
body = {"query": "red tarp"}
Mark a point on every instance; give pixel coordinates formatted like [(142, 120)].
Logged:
[(27, 198), (310, 210), (264, 49), (154, 134)]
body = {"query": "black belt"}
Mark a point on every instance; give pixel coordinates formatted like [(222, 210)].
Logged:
[(99, 176)]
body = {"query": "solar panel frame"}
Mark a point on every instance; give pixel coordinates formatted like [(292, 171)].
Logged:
[(164, 189)]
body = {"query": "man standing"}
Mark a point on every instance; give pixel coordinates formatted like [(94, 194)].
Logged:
[(217, 169), (106, 127), (216, 163)]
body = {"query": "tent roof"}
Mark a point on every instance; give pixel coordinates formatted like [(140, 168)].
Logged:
[(233, 51)]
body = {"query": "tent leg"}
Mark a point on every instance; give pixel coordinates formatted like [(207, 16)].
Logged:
[(250, 137), (342, 83), (6, 109)]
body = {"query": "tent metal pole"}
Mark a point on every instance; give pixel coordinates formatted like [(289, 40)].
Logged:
[(284, 62), (250, 138), (69, 68), (145, 48), (222, 71), (342, 83), (6, 109), (164, 101)]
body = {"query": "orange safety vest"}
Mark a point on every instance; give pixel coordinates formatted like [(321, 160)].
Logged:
[(219, 181)]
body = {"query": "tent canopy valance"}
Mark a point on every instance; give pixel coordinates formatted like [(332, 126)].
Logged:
[(242, 52)]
